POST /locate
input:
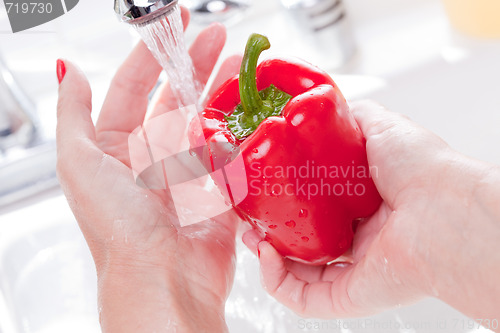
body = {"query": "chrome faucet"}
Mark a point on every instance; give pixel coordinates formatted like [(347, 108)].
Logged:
[(27, 160), (18, 120), (142, 11), (325, 25)]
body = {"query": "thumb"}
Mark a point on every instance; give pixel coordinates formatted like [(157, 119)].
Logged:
[(75, 133), (74, 105), (400, 152)]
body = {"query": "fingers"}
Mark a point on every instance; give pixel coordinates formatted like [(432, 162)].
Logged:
[(337, 290), (276, 278), (368, 230), (373, 118), (328, 297), (206, 50), (331, 291), (74, 107), (377, 124), (186, 16), (229, 68), (251, 239), (401, 153), (127, 100), (308, 273), (274, 273), (284, 285), (75, 131), (305, 298)]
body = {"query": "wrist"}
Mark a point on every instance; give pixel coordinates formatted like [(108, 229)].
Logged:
[(466, 273), (154, 300)]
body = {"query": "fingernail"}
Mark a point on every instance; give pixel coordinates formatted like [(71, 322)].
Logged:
[(61, 70)]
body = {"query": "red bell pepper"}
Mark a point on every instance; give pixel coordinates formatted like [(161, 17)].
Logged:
[(305, 159)]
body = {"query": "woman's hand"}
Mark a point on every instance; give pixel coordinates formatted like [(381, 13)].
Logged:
[(152, 274), (436, 233)]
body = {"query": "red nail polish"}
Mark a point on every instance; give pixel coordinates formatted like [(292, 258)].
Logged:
[(61, 70)]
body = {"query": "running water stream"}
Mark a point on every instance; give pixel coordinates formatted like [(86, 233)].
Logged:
[(164, 37)]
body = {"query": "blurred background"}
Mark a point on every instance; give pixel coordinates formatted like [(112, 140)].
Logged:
[(436, 61)]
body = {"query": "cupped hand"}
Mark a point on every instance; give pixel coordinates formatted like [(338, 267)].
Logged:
[(148, 267), (419, 243)]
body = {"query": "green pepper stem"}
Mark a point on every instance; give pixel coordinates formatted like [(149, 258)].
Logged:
[(250, 98), (255, 105)]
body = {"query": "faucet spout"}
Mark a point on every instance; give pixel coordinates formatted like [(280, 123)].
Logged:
[(142, 11)]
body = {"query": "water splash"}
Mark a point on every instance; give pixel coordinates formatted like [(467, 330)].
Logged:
[(164, 37), (249, 308)]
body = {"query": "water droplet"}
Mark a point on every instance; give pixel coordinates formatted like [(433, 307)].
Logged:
[(290, 224), (303, 213), (255, 151), (305, 238), (273, 226), (192, 152)]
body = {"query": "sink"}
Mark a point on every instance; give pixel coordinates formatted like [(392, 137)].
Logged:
[(47, 277), (48, 285), (408, 59)]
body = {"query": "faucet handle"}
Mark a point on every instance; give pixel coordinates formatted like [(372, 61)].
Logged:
[(140, 11), (325, 25)]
